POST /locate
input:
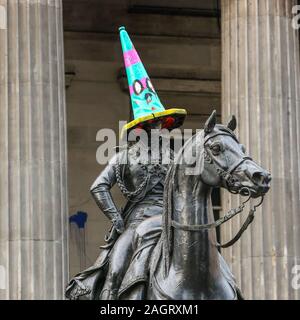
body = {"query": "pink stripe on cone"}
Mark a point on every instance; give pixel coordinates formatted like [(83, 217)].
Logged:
[(131, 57)]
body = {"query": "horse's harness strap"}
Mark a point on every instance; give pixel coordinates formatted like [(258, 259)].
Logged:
[(199, 227), (225, 174), (245, 225), (228, 216)]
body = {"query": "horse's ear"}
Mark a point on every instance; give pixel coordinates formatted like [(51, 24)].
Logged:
[(210, 122), (232, 123)]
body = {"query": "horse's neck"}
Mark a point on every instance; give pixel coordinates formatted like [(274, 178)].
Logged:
[(194, 254)]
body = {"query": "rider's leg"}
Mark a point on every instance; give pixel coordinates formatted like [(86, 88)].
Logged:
[(118, 264)]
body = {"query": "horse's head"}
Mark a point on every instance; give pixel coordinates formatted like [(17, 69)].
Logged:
[(226, 164)]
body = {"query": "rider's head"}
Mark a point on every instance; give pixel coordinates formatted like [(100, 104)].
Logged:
[(153, 125), (144, 132)]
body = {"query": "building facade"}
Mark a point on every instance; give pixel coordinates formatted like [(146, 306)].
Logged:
[(62, 79)]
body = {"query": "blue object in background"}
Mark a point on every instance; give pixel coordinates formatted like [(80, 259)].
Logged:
[(80, 218), (77, 228)]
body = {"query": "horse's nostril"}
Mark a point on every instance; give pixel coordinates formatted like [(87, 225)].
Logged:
[(261, 178), (257, 177), (268, 179)]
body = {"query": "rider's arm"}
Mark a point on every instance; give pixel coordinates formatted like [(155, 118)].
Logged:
[(100, 191)]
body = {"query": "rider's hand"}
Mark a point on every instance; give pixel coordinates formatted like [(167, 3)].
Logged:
[(119, 225)]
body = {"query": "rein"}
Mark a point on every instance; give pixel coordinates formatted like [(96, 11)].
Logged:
[(227, 176), (230, 214)]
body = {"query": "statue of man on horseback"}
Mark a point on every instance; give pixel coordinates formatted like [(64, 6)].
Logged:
[(139, 170), (163, 244)]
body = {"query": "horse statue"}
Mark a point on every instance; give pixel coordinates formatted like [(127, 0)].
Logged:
[(177, 256)]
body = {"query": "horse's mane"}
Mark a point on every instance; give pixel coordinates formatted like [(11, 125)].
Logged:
[(167, 234)]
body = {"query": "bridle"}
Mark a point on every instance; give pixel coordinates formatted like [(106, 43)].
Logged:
[(227, 176)]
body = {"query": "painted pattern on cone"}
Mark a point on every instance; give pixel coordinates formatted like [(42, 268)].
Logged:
[(146, 105)]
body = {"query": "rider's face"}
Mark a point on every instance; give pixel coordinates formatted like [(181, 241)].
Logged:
[(156, 125)]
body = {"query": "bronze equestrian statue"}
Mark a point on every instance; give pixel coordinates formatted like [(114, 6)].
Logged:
[(139, 170), (163, 245)]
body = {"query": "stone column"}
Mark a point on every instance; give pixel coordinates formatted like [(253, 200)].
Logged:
[(33, 185), (260, 66)]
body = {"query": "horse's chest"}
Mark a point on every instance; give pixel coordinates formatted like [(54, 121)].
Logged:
[(176, 287)]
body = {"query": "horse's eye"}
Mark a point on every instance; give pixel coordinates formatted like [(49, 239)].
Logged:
[(216, 149)]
